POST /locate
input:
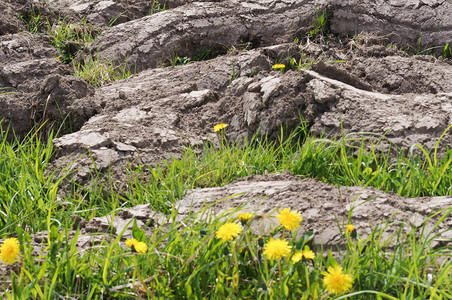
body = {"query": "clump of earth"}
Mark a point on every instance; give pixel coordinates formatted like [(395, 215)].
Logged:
[(357, 79)]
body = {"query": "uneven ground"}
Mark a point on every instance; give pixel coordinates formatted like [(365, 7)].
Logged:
[(358, 80)]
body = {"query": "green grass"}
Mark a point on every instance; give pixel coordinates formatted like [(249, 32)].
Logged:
[(185, 260), (98, 73), (33, 20), (157, 7), (176, 60), (6, 90), (69, 39)]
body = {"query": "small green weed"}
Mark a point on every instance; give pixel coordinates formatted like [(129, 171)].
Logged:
[(70, 38), (33, 20), (175, 60), (435, 51), (115, 18), (447, 52), (98, 73), (157, 7), (67, 38), (321, 24)]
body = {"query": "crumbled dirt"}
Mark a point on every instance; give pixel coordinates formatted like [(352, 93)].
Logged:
[(9, 23), (325, 209), (417, 24), (363, 81)]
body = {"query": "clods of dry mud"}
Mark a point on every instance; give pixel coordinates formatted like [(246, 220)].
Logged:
[(364, 82), (324, 208)]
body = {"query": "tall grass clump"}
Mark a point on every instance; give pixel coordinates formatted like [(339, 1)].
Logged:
[(28, 196)]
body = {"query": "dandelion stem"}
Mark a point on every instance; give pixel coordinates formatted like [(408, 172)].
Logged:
[(307, 277), (235, 272)]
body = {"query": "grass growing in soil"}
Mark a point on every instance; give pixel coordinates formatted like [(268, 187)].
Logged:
[(70, 38), (203, 258), (97, 72)]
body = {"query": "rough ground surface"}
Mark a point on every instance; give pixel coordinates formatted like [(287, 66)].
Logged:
[(362, 79), (325, 209)]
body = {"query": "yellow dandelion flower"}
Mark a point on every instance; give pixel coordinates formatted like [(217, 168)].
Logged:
[(308, 254), (140, 247), (290, 220), (336, 282), (278, 66), (131, 242), (275, 249), (297, 257), (219, 127), (137, 246), (9, 251), (350, 228), (228, 231), (244, 217)]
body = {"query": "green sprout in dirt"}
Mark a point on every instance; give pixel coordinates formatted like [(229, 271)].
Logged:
[(67, 38), (321, 25), (447, 51), (6, 90), (33, 20), (157, 7), (70, 38), (98, 73), (176, 60)]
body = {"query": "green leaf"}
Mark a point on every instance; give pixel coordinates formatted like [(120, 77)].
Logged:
[(331, 261), (304, 239), (54, 234), (138, 233)]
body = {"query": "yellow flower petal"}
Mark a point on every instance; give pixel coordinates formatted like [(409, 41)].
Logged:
[(228, 231), (140, 247), (336, 282), (275, 249), (219, 127), (9, 251), (244, 217), (308, 254), (131, 242), (278, 66), (297, 257), (290, 220)]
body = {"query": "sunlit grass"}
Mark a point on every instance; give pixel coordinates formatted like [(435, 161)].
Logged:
[(186, 259)]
